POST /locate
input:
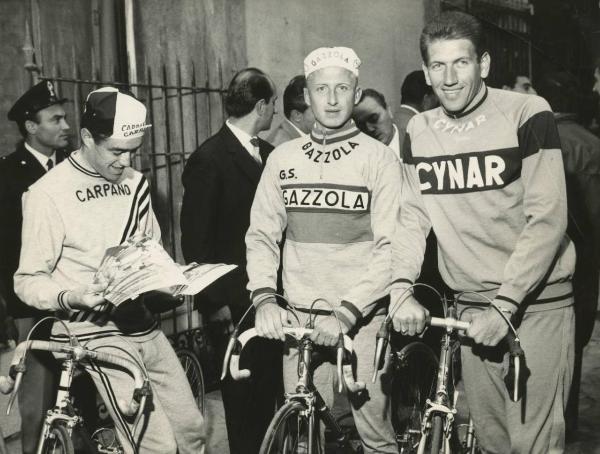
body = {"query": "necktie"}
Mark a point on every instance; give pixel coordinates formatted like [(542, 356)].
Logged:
[(256, 153), (50, 164)]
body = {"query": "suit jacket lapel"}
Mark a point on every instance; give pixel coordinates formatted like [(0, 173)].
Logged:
[(240, 155), (33, 167)]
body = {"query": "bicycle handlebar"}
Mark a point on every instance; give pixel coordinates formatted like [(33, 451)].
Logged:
[(344, 371), (12, 382), (514, 378)]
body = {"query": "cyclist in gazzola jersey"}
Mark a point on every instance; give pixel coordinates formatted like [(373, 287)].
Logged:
[(336, 192), (90, 202), (485, 171)]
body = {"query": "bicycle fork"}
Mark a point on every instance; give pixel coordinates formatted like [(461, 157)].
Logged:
[(441, 405)]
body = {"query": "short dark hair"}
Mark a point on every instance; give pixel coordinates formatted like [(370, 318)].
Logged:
[(414, 88), (293, 96), (377, 96), (35, 117), (247, 87), (452, 25)]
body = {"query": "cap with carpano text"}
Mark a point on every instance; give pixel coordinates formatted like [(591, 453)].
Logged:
[(114, 113)]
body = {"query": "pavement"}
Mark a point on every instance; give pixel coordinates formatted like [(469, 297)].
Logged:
[(588, 439)]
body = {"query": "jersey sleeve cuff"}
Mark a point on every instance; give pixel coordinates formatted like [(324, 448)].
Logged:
[(261, 295), (349, 314), (510, 295), (63, 304), (401, 284)]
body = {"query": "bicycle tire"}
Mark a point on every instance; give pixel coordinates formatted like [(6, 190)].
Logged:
[(415, 373), (193, 371), (286, 430), (436, 435), (58, 441)]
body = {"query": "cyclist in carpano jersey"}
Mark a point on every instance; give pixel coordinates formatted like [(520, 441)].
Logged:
[(88, 203), (336, 192)]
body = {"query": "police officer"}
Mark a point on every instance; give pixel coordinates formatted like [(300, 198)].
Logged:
[(41, 119)]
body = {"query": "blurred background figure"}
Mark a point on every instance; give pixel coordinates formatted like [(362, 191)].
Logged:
[(373, 117), (299, 117), (581, 157), (518, 83), (417, 97)]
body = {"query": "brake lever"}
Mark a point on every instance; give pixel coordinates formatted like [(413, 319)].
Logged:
[(380, 348), (518, 372), (230, 345)]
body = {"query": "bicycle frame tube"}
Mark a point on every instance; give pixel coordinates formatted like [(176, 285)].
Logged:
[(64, 385), (59, 412), (442, 403), (306, 391)]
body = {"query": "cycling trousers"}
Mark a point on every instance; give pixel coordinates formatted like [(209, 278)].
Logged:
[(371, 409), (535, 424), (172, 422)]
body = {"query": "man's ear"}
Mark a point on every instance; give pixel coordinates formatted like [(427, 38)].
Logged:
[(357, 95), (306, 96), (259, 107), (86, 137), (295, 116), (426, 72), (31, 126), (484, 62)]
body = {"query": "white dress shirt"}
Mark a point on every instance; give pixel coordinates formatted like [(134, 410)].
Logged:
[(245, 139), (42, 158)]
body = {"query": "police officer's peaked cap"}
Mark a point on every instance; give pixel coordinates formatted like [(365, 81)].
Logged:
[(38, 97)]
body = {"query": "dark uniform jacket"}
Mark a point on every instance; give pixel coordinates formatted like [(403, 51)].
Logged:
[(581, 158), (18, 171), (220, 179)]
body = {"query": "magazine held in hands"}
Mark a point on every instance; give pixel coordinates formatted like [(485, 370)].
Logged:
[(141, 265)]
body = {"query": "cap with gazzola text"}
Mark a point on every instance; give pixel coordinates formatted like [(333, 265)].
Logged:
[(324, 57), (114, 113), (38, 97)]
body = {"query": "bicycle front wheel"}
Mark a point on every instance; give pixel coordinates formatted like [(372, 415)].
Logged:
[(288, 431), (58, 441), (193, 371), (415, 372)]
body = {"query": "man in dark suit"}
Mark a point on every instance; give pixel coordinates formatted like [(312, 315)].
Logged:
[(220, 179), (42, 122)]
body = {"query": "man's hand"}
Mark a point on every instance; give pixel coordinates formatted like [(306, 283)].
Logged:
[(86, 297), (487, 327), (327, 332), (410, 317), (270, 320)]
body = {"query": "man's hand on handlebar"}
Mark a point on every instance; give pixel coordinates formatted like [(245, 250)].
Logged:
[(487, 327), (410, 317), (327, 332), (270, 320)]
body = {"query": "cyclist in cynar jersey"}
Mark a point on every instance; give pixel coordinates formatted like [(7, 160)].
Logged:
[(339, 209), (64, 240), (492, 187)]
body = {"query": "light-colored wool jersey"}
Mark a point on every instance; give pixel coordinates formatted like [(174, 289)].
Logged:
[(491, 183), (337, 196), (70, 217)]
